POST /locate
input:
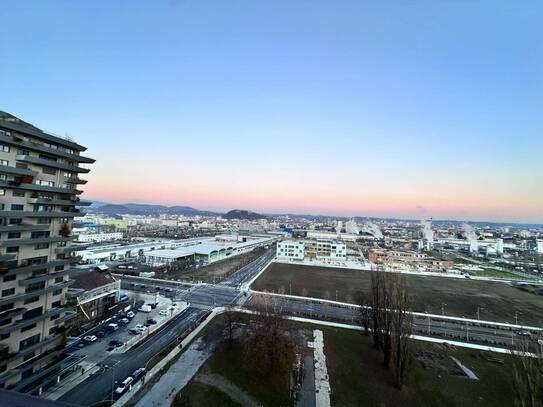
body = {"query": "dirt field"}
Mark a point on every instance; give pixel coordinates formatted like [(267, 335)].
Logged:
[(460, 297)]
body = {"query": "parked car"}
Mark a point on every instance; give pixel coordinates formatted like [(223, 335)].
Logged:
[(113, 326), (130, 314), (124, 320), (151, 322), (134, 331), (115, 343), (100, 334), (164, 312), (90, 338), (124, 386), (139, 373), (145, 308)]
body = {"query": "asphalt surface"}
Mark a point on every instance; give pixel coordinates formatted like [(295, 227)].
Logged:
[(245, 274), (99, 386)]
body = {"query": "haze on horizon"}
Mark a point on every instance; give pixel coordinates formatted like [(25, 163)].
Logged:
[(410, 110)]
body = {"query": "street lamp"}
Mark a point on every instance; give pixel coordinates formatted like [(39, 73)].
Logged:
[(443, 308)]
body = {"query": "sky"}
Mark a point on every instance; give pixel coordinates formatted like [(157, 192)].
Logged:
[(409, 109)]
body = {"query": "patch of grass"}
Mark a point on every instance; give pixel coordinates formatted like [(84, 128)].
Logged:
[(462, 296), (496, 273), (357, 376), (202, 395), (232, 365)]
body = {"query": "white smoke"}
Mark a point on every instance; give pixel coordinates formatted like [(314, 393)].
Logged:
[(471, 237), (373, 230), (351, 227), (427, 231)]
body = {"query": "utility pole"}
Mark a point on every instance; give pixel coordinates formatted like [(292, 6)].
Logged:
[(443, 308)]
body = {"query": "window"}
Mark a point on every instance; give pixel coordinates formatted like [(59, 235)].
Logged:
[(43, 208), (6, 321), (59, 268), (59, 280), (57, 292), (44, 221), (33, 313), (5, 336), (48, 170), (6, 307), (30, 355), (56, 304), (32, 299), (8, 291), (69, 174), (35, 286), (53, 330), (21, 165), (15, 221), (45, 183), (49, 145), (14, 235), (26, 343), (41, 246), (19, 194), (5, 133), (2, 192), (4, 162), (22, 151), (17, 207), (39, 235), (10, 277), (53, 317), (12, 249), (4, 148), (28, 327)]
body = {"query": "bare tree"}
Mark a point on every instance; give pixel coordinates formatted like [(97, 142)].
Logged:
[(375, 303), (401, 331), (231, 320), (528, 376)]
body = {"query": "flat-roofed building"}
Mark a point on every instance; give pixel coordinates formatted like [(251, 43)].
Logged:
[(39, 179)]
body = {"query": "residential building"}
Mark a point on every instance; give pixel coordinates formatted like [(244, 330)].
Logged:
[(39, 175), (311, 249), (94, 294)]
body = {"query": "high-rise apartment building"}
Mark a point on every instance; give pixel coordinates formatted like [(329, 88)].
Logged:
[(39, 178)]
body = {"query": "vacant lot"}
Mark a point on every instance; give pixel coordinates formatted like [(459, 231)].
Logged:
[(459, 297)]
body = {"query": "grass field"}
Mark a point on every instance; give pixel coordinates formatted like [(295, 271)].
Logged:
[(461, 297), (358, 378)]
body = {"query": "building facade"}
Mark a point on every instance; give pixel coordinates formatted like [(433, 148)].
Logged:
[(99, 237), (39, 178), (290, 250)]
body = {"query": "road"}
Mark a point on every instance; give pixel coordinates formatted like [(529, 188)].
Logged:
[(246, 273), (99, 386)]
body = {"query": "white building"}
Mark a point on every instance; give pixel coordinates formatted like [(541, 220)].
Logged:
[(540, 246), (99, 237), (290, 250)]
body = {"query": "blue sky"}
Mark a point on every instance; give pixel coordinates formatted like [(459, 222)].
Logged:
[(369, 108)]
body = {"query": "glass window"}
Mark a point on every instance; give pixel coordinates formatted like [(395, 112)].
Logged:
[(4, 148)]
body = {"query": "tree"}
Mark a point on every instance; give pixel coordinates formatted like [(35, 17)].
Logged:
[(401, 331), (528, 376), (231, 321)]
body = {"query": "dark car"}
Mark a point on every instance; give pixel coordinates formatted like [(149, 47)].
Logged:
[(115, 343), (151, 322), (110, 348), (100, 334)]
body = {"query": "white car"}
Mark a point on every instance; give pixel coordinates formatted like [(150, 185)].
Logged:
[(125, 385), (164, 312), (141, 327), (130, 314), (90, 338)]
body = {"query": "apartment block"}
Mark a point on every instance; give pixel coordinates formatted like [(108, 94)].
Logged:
[(39, 179)]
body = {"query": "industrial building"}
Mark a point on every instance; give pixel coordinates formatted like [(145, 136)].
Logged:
[(208, 250), (39, 178), (99, 237)]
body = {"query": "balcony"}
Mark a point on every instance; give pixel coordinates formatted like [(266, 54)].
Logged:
[(7, 257), (23, 296), (43, 277), (35, 187), (18, 324), (49, 239), (24, 227), (48, 150), (50, 163), (6, 169), (50, 201), (32, 214), (24, 268), (76, 181)]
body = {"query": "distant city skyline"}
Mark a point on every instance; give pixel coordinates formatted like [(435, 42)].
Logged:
[(412, 110)]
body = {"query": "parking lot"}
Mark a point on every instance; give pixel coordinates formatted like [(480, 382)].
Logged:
[(125, 335)]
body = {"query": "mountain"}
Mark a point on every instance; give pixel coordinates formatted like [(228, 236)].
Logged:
[(147, 209), (243, 214)]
